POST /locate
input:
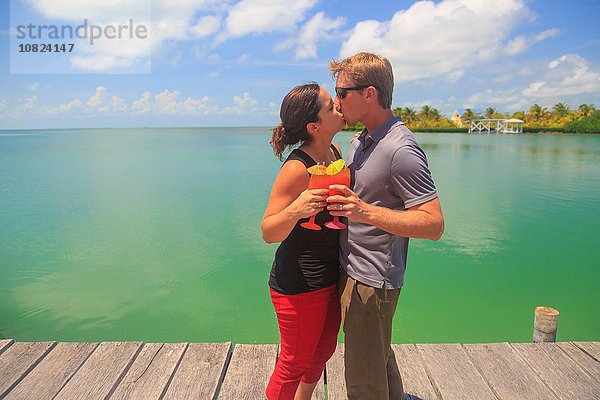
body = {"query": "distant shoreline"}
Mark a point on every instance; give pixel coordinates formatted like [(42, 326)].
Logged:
[(554, 131)]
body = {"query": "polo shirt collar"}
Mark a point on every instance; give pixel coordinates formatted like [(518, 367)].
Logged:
[(380, 132)]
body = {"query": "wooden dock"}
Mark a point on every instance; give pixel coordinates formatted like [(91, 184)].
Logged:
[(134, 370)]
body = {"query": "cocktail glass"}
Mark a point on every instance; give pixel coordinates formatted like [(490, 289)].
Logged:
[(316, 182), (341, 178)]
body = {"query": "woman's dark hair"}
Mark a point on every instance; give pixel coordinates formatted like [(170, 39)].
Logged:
[(299, 107)]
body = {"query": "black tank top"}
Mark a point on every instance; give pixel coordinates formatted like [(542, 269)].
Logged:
[(307, 260)]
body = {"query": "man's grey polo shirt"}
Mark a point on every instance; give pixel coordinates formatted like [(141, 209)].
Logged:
[(390, 170)]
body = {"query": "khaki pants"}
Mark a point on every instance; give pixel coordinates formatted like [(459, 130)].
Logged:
[(367, 312)]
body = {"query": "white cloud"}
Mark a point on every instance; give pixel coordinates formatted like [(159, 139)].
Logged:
[(30, 103), (550, 33), (455, 75), (100, 102), (316, 30), (175, 19), (511, 99), (182, 21), (168, 28), (166, 103), (63, 108), (264, 16), (97, 100), (243, 104), (206, 26), (195, 106), (567, 75), (27, 107), (118, 104), (526, 71), (520, 44), (99, 63), (143, 105), (437, 39), (3, 105), (517, 45), (244, 58)]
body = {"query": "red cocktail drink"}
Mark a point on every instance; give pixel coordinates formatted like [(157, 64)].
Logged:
[(316, 182), (341, 178)]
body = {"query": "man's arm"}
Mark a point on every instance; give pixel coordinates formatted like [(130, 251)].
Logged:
[(421, 221)]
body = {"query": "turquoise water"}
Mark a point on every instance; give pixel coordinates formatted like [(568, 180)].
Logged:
[(154, 235)]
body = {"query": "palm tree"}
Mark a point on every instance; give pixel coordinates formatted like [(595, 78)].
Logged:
[(409, 115), (561, 109), (435, 114), (519, 115), (586, 109), (469, 115), (425, 112), (536, 112), (490, 111)]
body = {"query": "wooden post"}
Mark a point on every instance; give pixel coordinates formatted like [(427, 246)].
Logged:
[(545, 324)]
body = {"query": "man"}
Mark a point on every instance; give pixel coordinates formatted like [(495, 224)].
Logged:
[(393, 199)]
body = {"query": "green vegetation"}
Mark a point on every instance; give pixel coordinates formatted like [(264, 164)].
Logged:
[(587, 124), (426, 117), (453, 129), (560, 118), (536, 129)]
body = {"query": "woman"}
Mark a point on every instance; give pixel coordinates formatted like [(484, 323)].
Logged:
[(304, 275)]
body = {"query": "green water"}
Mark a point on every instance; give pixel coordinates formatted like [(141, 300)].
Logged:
[(154, 235)]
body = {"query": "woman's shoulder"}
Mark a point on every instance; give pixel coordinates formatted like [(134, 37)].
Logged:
[(300, 156), (293, 167)]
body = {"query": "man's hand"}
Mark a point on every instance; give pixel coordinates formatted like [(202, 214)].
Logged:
[(348, 205), (424, 221)]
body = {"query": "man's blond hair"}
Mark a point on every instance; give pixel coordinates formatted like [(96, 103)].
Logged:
[(368, 69)]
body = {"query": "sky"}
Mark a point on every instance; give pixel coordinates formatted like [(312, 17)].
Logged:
[(230, 63)]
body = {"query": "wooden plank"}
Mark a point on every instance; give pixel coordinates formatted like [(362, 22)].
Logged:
[(592, 348), (506, 373), (4, 344), (18, 360), (336, 382), (99, 375), (415, 381), (583, 359), (151, 371), (249, 372), (566, 379), (452, 373), (51, 374), (200, 371)]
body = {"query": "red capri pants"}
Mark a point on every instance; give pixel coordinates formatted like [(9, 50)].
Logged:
[(308, 327)]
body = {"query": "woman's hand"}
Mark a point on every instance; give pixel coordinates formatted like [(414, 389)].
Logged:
[(309, 203)]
